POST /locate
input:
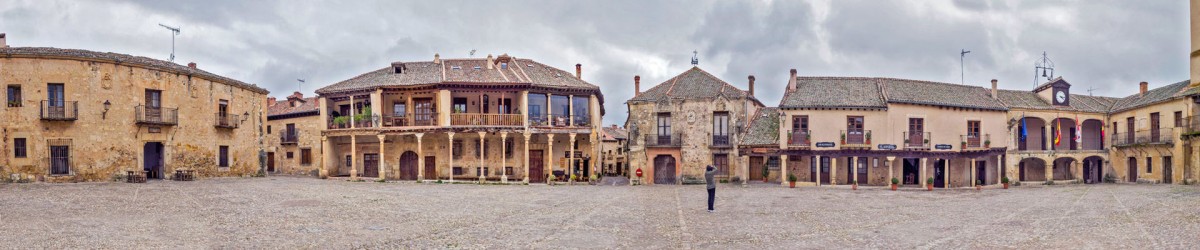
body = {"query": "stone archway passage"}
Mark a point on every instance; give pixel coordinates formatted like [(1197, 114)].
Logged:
[(1032, 169), (664, 169), (408, 166), (1093, 170)]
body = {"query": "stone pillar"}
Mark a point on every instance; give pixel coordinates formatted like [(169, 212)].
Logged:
[(833, 170), (325, 155), (526, 150), (923, 167), (783, 170), (351, 116), (549, 155), (973, 164), (353, 158), (853, 170), (571, 157), (420, 158), (571, 117), (745, 170), (947, 175), (818, 172), (891, 169), (1048, 136), (481, 160), (450, 153), (1049, 169), (503, 157), (382, 157)]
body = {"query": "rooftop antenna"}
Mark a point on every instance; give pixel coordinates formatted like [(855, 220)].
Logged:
[(962, 76), (695, 59), (174, 33), (472, 53), (1090, 90), (1047, 68), (299, 82)]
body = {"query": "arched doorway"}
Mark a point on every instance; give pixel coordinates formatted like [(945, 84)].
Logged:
[(1033, 129), (152, 160), (1093, 170), (664, 169), (1091, 135), (1032, 169), (408, 166), (1062, 168)]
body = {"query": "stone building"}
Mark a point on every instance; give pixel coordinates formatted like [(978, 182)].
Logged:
[(77, 115), (614, 149), (685, 123), (293, 137), (475, 119), (1150, 133), (1056, 135)]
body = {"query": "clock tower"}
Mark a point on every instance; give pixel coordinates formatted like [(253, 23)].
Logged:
[(1057, 92)]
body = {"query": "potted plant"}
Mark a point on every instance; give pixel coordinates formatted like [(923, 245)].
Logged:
[(964, 145), (868, 137), (854, 184), (978, 185), (926, 142), (929, 183), (1004, 180), (792, 180), (766, 172), (895, 182), (550, 179), (987, 143), (340, 121), (843, 138)]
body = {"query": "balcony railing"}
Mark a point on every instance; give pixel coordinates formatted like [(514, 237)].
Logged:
[(1152, 136), (800, 138), (720, 140), (668, 140), (429, 119), (581, 120), (552, 121), (60, 110), (226, 120), (975, 141), (469, 119), (917, 140), (288, 137), (856, 137), (343, 122), (156, 115)]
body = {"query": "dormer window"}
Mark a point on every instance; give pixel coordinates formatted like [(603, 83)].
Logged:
[(398, 68), (503, 65), (455, 67)]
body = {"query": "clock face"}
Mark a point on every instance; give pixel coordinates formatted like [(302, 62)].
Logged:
[(1060, 97)]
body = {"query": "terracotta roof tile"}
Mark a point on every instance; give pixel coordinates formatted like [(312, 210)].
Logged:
[(763, 128), (834, 92), (1153, 96), (695, 83), (520, 71), (125, 59), (283, 107)]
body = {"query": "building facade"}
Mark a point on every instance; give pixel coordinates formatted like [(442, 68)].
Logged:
[(499, 119), (614, 149), (684, 124), (77, 115), (293, 139)]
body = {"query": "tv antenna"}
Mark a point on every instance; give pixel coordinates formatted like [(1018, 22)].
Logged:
[(1046, 66), (695, 59), (174, 33), (299, 82), (961, 75), (1090, 90), (472, 53)]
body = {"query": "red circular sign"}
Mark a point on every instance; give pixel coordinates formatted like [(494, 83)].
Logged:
[(639, 172)]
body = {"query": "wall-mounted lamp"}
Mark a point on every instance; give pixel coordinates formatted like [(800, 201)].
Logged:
[(245, 115), (106, 106)]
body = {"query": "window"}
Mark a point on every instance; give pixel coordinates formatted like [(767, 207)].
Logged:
[(55, 95), (457, 149), (14, 96), (508, 149), (348, 161), (664, 124), (19, 150), (290, 131), (579, 105), (289, 155), (223, 160), (399, 109), (505, 106), (559, 105), (306, 156), (973, 129), (503, 65), (1178, 119), (268, 129), (153, 98), (1149, 165), (537, 109), (60, 160), (222, 107), (721, 162), (773, 163), (854, 130), (423, 107), (484, 105), (459, 105), (720, 128)]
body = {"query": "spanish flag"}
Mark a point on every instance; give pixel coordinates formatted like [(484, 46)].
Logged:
[(1057, 131)]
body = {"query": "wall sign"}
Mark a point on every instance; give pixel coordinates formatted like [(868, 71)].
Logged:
[(943, 146), (825, 144), (887, 146)]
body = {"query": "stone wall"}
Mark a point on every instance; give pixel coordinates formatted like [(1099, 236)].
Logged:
[(693, 119), (308, 137), (104, 144)]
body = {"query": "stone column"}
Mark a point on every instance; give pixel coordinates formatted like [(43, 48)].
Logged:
[(853, 170), (420, 158), (353, 158), (974, 174), (571, 157), (351, 115), (745, 170), (783, 170), (1048, 136), (526, 150), (549, 155), (947, 175), (481, 160), (1049, 169), (503, 157), (382, 157), (891, 169), (325, 155), (833, 170), (923, 167), (450, 140), (818, 172), (571, 118)]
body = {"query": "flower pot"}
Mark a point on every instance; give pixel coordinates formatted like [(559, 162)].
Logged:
[(893, 187), (930, 186), (978, 187), (854, 187), (792, 184), (1005, 185)]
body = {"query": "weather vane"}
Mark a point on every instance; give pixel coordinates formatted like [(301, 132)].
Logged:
[(1046, 66), (695, 59)]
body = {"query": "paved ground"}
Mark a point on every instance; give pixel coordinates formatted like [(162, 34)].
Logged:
[(285, 212)]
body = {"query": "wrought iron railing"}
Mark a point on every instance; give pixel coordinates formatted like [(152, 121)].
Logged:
[(918, 140), (1150, 136), (226, 120), (289, 137), (720, 140), (975, 141), (59, 110), (474, 119), (800, 138), (856, 137), (156, 115), (667, 140)]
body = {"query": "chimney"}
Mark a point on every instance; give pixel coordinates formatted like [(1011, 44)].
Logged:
[(614, 126), (271, 101), (994, 81), (751, 85), (1142, 88), (437, 59), (192, 65), (792, 80), (637, 85), (491, 62), (579, 71), (3, 41)]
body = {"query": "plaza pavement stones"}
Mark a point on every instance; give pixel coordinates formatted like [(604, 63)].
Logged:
[(291, 212)]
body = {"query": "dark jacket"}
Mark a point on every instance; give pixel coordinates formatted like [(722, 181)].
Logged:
[(708, 177)]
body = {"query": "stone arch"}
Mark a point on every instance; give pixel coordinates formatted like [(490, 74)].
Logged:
[(1031, 169), (1093, 138), (1067, 131), (1034, 133), (408, 166), (1061, 168), (1093, 169)]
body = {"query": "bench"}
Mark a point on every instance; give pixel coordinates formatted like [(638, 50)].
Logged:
[(135, 176), (185, 175)]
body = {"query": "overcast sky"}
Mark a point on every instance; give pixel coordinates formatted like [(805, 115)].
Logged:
[(1106, 45)]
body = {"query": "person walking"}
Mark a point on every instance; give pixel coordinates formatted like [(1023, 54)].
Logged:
[(709, 173)]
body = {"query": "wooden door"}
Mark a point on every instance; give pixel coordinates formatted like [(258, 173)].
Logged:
[(757, 168), (1129, 131), (1166, 170), (1021, 171), (537, 167), (1133, 172), (916, 132), (664, 169), (973, 134), (270, 161), (153, 105), (55, 101), (1154, 127), (862, 170), (825, 162), (431, 168), (370, 165), (408, 166), (939, 174), (854, 130)]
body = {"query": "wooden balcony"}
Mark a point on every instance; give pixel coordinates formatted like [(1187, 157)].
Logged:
[(975, 141), (161, 116), (59, 110), (474, 119), (429, 119), (917, 141), (225, 120), (800, 138)]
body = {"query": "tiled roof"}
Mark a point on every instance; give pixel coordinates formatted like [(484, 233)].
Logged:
[(617, 133), (940, 94), (763, 129), (282, 107), (1153, 96), (695, 83), (145, 62), (1030, 100), (834, 92), (468, 70)]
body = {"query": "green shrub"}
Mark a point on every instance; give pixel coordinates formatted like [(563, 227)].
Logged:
[(1004, 180), (895, 181)]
